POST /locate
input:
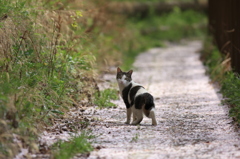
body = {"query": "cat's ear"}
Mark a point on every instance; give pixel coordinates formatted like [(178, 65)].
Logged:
[(130, 72), (119, 70)]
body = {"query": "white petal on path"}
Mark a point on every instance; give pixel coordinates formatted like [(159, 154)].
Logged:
[(192, 123)]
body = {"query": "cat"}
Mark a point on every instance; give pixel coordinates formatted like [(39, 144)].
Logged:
[(136, 98)]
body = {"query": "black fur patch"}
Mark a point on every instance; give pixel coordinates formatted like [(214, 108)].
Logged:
[(125, 95), (139, 101), (128, 78), (133, 92), (149, 101), (119, 75), (146, 99)]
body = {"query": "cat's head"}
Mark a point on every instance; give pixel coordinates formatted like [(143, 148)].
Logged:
[(124, 78)]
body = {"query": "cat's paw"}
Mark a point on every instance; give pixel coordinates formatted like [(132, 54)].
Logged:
[(134, 123), (127, 122), (154, 123)]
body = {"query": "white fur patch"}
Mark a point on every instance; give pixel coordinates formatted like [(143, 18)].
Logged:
[(140, 91), (122, 83)]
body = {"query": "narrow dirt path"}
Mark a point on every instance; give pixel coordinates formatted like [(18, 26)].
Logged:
[(192, 122)]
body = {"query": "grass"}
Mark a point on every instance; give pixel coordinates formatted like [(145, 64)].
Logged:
[(231, 91), (103, 98), (212, 58), (49, 53), (76, 145), (135, 138), (220, 71), (154, 30), (153, 0), (43, 70)]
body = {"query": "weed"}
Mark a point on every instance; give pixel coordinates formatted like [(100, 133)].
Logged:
[(78, 144), (231, 90), (47, 56), (41, 69), (103, 98), (212, 58), (218, 67), (135, 138)]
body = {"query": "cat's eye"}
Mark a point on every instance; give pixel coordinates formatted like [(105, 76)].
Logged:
[(118, 76)]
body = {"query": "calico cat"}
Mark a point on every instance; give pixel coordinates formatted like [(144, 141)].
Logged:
[(136, 98)]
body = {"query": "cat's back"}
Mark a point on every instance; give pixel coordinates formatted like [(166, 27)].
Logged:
[(135, 90)]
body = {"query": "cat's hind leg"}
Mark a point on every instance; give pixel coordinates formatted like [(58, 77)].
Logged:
[(152, 116), (149, 108)]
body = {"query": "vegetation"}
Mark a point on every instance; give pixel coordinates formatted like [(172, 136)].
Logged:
[(156, 0), (135, 138), (44, 70), (49, 54), (154, 30), (220, 71), (212, 58), (230, 90), (103, 98), (78, 144)]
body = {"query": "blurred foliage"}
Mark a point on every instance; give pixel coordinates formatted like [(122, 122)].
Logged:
[(78, 144), (219, 68), (154, 30), (231, 91), (103, 98), (49, 53), (44, 69), (156, 0), (212, 58)]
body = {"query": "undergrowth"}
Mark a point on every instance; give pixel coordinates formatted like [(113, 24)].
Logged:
[(154, 31), (212, 58), (43, 70), (49, 51), (155, 0), (231, 91), (218, 66), (76, 145), (103, 98)]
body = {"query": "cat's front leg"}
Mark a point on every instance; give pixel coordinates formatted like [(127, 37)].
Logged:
[(134, 117), (129, 113), (133, 114)]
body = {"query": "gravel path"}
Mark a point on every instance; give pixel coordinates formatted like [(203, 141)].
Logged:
[(192, 122)]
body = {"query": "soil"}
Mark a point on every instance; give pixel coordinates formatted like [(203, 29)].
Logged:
[(192, 122)]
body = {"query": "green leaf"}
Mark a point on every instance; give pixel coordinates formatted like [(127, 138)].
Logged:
[(57, 112)]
